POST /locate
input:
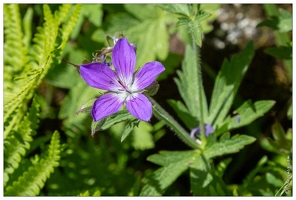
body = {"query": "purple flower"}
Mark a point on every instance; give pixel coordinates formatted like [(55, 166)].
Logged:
[(123, 86), (208, 130)]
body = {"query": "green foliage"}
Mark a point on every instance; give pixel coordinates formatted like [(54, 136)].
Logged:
[(204, 181), (33, 179), (281, 142), (281, 22), (38, 87), (227, 83), (188, 84), (173, 165), (18, 141), (138, 24), (25, 65), (226, 144), (248, 112)]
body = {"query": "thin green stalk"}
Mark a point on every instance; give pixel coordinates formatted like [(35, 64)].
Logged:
[(161, 114), (199, 88)]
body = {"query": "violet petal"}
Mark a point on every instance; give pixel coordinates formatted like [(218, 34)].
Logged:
[(124, 60), (99, 76), (147, 74), (106, 105), (139, 106)]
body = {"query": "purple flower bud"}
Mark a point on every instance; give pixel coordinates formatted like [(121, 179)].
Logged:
[(208, 130)]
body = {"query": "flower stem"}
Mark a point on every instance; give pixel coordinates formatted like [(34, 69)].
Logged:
[(200, 91), (161, 114)]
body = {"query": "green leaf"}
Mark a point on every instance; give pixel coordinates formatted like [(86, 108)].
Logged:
[(282, 22), (120, 116), (87, 106), (248, 112), (128, 128), (33, 179), (203, 180), (282, 52), (174, 164), (183, 114), (188, 84), (207, 23), (227, 83), (195, 27), (142, 137), (18, 142), (227, 145), (139, 27), (182, 9)]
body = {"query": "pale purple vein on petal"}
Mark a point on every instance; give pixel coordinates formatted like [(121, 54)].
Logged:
[(106, 105), (147, 74), (124, 60), (139, 106), (99, 76)]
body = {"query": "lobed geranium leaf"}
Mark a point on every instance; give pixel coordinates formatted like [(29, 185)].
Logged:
[(188, 84), (227, 145), (182, 9), (248, 112), (227, 83), (173, 165)]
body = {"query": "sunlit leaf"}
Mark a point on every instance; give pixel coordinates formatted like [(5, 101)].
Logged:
[(248, 112), (226, 84)]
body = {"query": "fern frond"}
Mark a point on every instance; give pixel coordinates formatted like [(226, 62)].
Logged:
[(14, 100), (32, 180), (69, 26), (18, 142), (15, 52)]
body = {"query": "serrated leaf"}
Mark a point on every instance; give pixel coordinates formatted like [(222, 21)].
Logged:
[(227, 83), (174, 164), (207, 24), (182, 9), (248, 112), (33, 179), (195, 28), (227, 145), (188, 84)]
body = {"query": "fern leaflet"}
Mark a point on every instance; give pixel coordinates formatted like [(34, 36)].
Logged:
[(18, 142), (32, 180)]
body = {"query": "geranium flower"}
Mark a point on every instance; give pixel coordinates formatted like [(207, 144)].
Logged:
[(123, 86)]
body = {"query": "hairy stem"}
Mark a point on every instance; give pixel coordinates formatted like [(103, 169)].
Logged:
[(161, 114)]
